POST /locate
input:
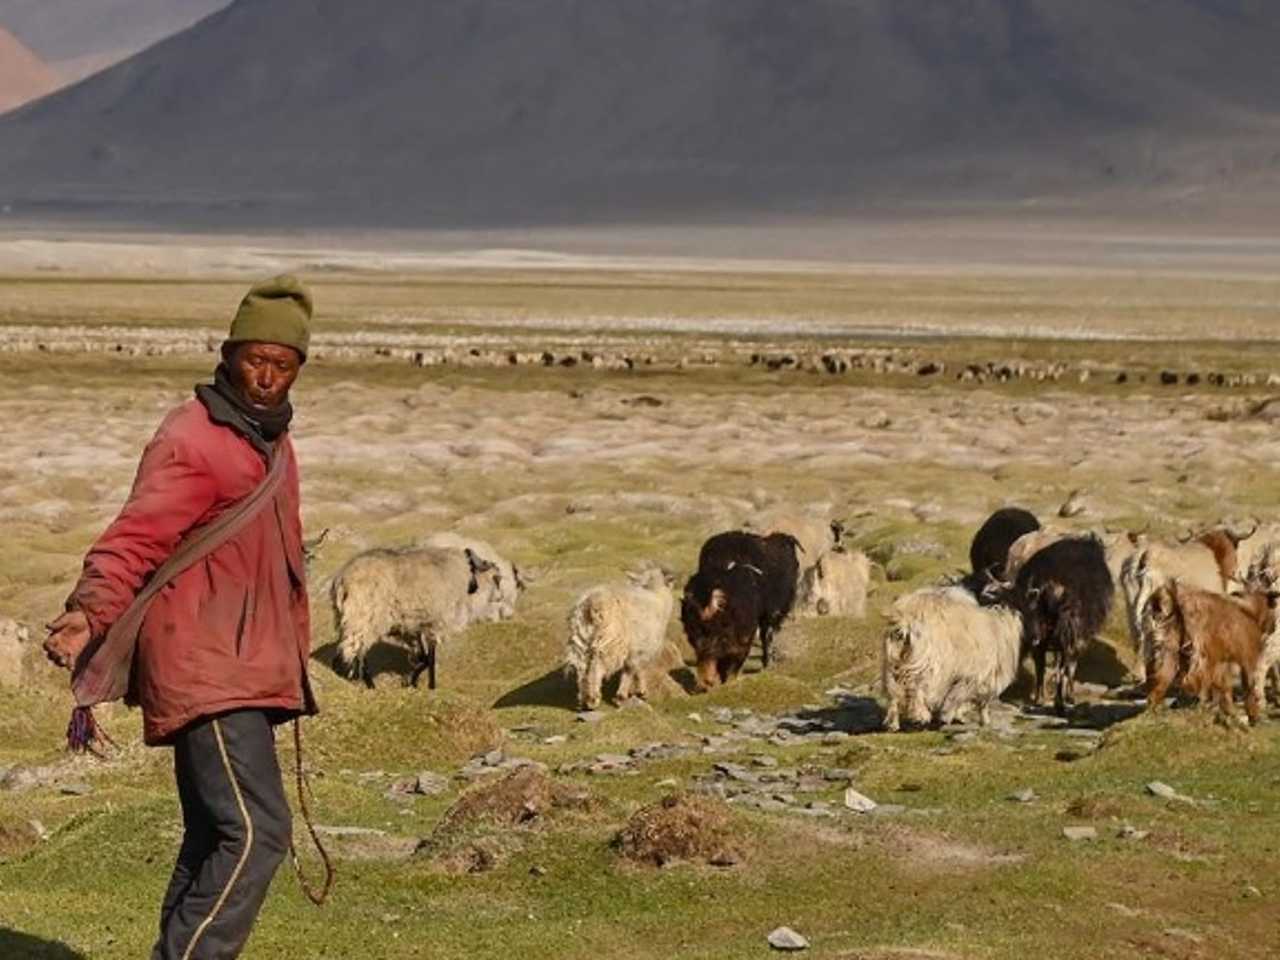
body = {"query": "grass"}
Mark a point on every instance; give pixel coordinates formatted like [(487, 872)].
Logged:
[(580, 489)]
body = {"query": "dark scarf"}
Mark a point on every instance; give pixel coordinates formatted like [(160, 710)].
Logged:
[(226, 406)]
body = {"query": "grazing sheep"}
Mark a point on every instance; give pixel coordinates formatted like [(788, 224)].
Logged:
[(816, 536), (419, 595), (775, 557), (721, 611), (943, 654), (14, 637), (512, 583), (1064, 594), (1199, 636), (835, 586), (618, 627), (989, 550)]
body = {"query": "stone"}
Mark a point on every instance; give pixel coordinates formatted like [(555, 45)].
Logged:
[(613, 759), (888, 810), (784, 938), (1023, 796), (590, 716), (1251, 892), (963, 736), (695, 717), (737, 772), (38, 829), (430, 784), (537, 871), (555, 740), (1075, 834), (493, 758), (75, 789), (858, 803), (668, 784), (1166, 792), (722, 715), (1129, 832), (764, 761)]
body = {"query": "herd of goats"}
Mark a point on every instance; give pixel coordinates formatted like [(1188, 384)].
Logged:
[(1200, 609)]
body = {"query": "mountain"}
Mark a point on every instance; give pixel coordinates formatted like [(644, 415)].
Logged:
[(23, 75), (451, 112), (79, 37)]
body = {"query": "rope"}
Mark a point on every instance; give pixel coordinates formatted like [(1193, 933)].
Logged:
[(303, 787)]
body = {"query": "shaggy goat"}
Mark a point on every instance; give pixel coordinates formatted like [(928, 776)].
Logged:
[(835, 586), (943, 654), (775, 557), (510, 581), (1152, 566), (989, 550), (721, 610), (618, 627), (418, 595), (1200, 635), (1064, 594)]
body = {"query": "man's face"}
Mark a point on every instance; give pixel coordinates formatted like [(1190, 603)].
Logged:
[(264, 372)]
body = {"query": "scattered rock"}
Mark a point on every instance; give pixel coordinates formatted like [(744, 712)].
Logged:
[(555, 740), (430, 784), (75, 789), (537, 871), (1251, 892), (1080, 833), (695, 717), (1166, 792), (858, 803), (764, 761), (590, 716), (1023, 796), (1129, 832), (784, 938)]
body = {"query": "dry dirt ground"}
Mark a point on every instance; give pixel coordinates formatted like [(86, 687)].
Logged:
[(578, 474)]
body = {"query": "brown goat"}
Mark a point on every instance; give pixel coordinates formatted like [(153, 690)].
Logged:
[(1223, 542), (1199, 636)]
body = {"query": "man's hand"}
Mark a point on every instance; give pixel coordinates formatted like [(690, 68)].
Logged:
[(68, 636)]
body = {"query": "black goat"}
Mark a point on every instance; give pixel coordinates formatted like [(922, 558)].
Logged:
[(721, 611), (990, 548), (776, 558), (1064, 593)]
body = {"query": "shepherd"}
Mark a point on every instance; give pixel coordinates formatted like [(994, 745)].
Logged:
[(193, 606)]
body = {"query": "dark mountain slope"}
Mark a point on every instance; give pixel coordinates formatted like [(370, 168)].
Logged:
[(457, 111)]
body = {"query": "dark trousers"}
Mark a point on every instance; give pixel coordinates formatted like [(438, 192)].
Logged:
[(237, 830)]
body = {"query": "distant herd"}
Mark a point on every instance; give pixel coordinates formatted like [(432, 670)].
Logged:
[(1200, 610)]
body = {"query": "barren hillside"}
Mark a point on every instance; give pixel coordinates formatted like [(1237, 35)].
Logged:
[(442, 113)]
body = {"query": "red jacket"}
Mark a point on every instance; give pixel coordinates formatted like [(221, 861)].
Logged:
[(233, 630)]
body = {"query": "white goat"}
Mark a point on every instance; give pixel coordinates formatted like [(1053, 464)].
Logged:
[(944, 654), (511, 582), (835, 586), (618, 627), (418, 595)]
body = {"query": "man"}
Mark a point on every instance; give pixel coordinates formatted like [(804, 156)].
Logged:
[(220, 654)]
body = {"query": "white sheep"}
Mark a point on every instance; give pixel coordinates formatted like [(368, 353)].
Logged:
[(510, 580), (835, 586), (420, 596), (944, 654), (618, 627), (14, 637)]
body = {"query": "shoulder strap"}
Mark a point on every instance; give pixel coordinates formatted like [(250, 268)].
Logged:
[(104, 674)]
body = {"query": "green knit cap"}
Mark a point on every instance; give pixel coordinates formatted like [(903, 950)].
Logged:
[(275, 311)]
